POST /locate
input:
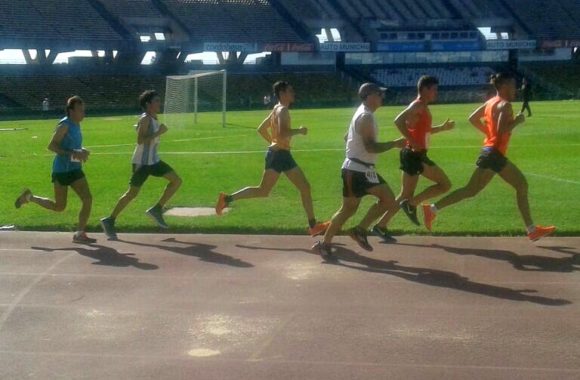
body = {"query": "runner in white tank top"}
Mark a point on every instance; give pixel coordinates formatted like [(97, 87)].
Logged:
[(146, 153), (358, 172)]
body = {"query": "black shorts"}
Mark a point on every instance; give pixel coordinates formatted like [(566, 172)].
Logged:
[(412, 161), (280, 160), (67, 178), (142, 172), (356, 184), (491, 158)]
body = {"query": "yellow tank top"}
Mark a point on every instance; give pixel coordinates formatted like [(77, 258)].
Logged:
[(278, 142)]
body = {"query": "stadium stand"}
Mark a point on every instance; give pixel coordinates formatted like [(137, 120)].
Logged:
[(232, 21), (454, 76), (132, 8), (546, 19)]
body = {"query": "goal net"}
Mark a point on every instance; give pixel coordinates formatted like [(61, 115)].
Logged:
[(196, 97)]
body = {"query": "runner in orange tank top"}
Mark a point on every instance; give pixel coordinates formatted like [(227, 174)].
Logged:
[(276, 130), (497, 126), (415, 124)]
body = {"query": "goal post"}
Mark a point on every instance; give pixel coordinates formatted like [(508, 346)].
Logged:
[(187, 96)]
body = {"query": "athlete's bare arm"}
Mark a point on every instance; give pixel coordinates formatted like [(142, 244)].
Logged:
[(406, 120), (286, 131), (143, 135), (448, 125), (476, 117), (264, 126), (364, 127), (54, 145), (506, 120)]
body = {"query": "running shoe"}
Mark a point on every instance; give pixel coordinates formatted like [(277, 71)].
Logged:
[(221, 204), (156, 213), (428, 216), (410, 211), (23, 198), (82, 238), (541, 232), (360, 236), (108, 225), (324, 251), (318, 229), (384, 234)]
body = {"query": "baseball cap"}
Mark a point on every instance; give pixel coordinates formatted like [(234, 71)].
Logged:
[(368, 88)]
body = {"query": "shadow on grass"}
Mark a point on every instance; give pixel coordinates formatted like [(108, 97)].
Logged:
[(426, 276), (105, 256), (204, 252)]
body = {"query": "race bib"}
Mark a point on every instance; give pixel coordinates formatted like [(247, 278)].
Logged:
[(372, 176)]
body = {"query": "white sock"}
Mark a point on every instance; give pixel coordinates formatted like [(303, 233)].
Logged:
[(434, 208), (531, 228)]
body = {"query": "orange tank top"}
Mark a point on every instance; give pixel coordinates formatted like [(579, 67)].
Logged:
[(421, 131), (493, 138), (278, 142)]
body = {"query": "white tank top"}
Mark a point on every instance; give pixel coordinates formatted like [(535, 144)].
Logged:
[(355, 147), (146, 154)]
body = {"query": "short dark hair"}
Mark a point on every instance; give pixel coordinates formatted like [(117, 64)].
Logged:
[(499, 79), (147, 97), (279, 87), (72, 102), (427, 81)]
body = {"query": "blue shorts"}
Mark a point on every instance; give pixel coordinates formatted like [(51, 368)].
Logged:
[(280, 160)]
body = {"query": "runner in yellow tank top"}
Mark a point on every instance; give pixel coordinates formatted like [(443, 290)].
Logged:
[(276, 130)]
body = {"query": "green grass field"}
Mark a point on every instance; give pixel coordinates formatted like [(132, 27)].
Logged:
[(212, 159)]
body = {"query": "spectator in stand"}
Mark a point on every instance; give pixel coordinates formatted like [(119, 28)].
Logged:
[(45, 107)]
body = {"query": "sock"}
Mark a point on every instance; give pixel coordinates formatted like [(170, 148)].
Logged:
[(229, 199), (531, 229), (434, 208), (311, 222)]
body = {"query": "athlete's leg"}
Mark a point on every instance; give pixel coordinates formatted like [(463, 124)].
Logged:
[(512, 175), (269, 179), (409, 184), (171, 188), (479, 180), (297, 177), (81, 187), (348, 208), (441, 186), (386, 201), (125, 200), (60, 197)]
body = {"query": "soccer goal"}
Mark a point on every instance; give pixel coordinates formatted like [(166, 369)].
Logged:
[(188, 96)]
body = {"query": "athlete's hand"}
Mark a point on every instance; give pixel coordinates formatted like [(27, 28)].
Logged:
[(449, 124), (400, 142), (520, 118), (303, 130), (162, 129)]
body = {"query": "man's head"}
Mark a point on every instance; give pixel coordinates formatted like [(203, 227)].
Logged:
[(75, 108), (428, 88), (505, 84), (372, 95), (150, 101), (284, 92)]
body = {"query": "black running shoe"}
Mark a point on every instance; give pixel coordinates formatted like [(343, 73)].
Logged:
[(410, 211), (156, 213), (82, 238), (108, 225), (360, 236), (324, 251), (384, 234)]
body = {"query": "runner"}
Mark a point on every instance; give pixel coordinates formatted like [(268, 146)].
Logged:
[(359, 176), (67, 143), (415, 124), (277, 131), (146, 162), (498, 124)]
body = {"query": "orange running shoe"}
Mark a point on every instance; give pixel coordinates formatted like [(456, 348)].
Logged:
[(318, 229), (221, 204), (541, 232), (428, 216)]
